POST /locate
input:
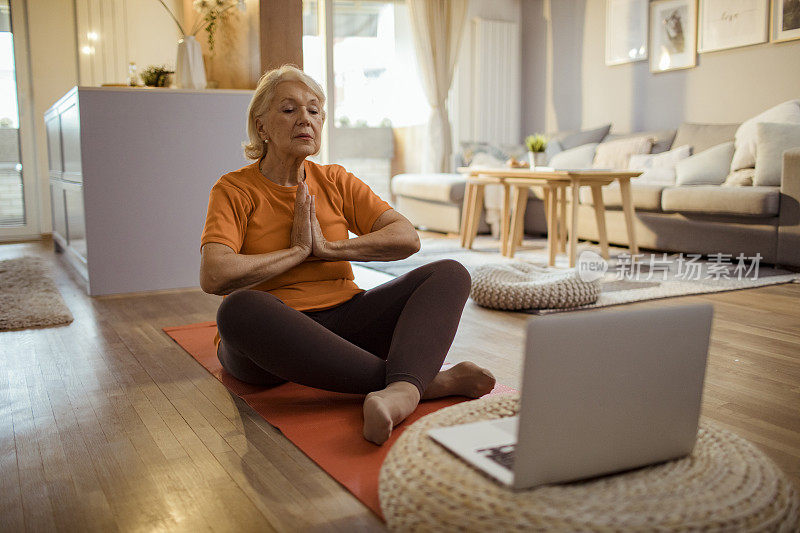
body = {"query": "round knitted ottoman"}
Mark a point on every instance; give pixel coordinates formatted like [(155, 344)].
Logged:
[(522, 285), (725, 485)]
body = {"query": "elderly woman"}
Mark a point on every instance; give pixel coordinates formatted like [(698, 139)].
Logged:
[(276, 242)]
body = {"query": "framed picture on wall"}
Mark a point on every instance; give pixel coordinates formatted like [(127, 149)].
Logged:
[(732, 23), (785, 20), (673, 35), (626, 31)]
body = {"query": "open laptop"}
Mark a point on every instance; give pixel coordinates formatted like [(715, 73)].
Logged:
[(602, 392)]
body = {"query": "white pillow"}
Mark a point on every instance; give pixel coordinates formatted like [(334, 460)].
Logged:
[(574, 158), (482, 159), (659, 168), (773, 140), (617, 154), (709, 167), (747, 134)]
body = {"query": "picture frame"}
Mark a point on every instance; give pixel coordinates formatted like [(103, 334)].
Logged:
[(725, 24), (784, 20), (673, 35), (626, 31)]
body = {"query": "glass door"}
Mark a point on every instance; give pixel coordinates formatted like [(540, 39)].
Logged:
[(18, 216), (362, 52)]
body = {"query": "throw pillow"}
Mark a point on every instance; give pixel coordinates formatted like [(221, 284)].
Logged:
[(662, 139), (553, 147), (747, 134), (740, 178), (659, 168), (773, 140), (573, 139), (485, 159), (574, 158), (709, 167), (701, 137), (617, 154)]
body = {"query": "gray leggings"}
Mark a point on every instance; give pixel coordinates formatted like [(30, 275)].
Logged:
[(398, 331)]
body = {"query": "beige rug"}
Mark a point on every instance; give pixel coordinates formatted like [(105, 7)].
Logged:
[(28, 297), (656, 275)]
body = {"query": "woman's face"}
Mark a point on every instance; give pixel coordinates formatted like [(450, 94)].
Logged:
[(292, 124)]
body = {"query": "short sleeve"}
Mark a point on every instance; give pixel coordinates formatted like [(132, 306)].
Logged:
[(362, 207), (226, 218)]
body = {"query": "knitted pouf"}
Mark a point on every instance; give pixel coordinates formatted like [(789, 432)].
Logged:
[(525, 286), (726, 484)]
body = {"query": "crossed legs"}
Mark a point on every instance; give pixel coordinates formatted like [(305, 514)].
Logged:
[(388, 343)]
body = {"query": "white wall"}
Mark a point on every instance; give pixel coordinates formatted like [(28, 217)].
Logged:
[(53, 61), (726, 86), (152, 35)]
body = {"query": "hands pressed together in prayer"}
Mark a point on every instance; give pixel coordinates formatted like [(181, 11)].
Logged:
[(306, 231)]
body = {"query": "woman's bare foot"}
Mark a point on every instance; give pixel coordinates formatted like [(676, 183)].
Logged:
[(386, 408), (463, 379)]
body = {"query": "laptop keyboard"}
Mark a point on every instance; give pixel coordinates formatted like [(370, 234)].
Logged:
[(502, 455)]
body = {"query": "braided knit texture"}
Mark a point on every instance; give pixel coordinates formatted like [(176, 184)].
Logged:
[(725, 485), (520, 285)]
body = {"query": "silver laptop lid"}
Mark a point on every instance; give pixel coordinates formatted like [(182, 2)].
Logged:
[(608, 390)]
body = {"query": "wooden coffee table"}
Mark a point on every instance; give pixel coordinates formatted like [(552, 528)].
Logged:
[(517, 182)]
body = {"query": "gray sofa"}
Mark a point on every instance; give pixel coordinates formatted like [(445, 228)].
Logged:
[(702, 219)]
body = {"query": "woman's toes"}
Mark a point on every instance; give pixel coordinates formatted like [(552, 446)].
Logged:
[(474, 381), (377, 419)]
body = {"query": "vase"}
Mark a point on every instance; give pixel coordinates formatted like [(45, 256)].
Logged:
[(190, 72), (537, 159)]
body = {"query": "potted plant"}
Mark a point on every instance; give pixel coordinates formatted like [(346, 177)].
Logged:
[(536, 145), (156, 76)]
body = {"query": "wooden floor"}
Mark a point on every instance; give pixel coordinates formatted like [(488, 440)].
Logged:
[(108, 425)]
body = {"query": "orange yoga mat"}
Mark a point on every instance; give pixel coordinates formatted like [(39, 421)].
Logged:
[(326, 426)]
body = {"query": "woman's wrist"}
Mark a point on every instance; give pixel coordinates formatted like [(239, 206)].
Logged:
[(300, 251)]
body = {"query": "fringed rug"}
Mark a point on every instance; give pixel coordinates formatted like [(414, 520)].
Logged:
[(28, 297), (650, 276)]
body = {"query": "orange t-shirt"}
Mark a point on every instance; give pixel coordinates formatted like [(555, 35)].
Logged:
[(253, 215)]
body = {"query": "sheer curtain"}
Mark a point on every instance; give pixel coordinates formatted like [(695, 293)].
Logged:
[(437, 26)]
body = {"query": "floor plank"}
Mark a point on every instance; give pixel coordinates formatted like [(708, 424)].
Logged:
[(106, 424)]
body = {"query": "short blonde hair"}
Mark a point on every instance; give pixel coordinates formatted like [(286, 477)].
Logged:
[(265, 91)]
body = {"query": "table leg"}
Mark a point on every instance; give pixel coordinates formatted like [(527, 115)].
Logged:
[(475, 213), (550, 205), (562, 227), (505, 217), (466, 222), (627, 207), (573, 224), (600, 219), (518, 218)]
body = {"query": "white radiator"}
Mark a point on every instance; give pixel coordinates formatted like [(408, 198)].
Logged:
[(495, 81)]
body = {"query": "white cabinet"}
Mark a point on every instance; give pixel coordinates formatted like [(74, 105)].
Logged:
[(64, 156), (130, 173)]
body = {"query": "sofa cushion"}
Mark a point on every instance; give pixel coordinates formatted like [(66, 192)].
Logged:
[(701, 137), (448, 188), (709, 167), (716, 200), (645, 196), (468, 151), (571, 139), (662, 143), (617, 154), (747, 134), (574, 158), (740, 178), (659, 168), (773, 140)]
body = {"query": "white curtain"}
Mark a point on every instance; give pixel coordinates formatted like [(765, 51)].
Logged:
[(437, 26)]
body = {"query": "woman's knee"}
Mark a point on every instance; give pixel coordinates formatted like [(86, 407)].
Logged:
[(457, 276), (240, 305)]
